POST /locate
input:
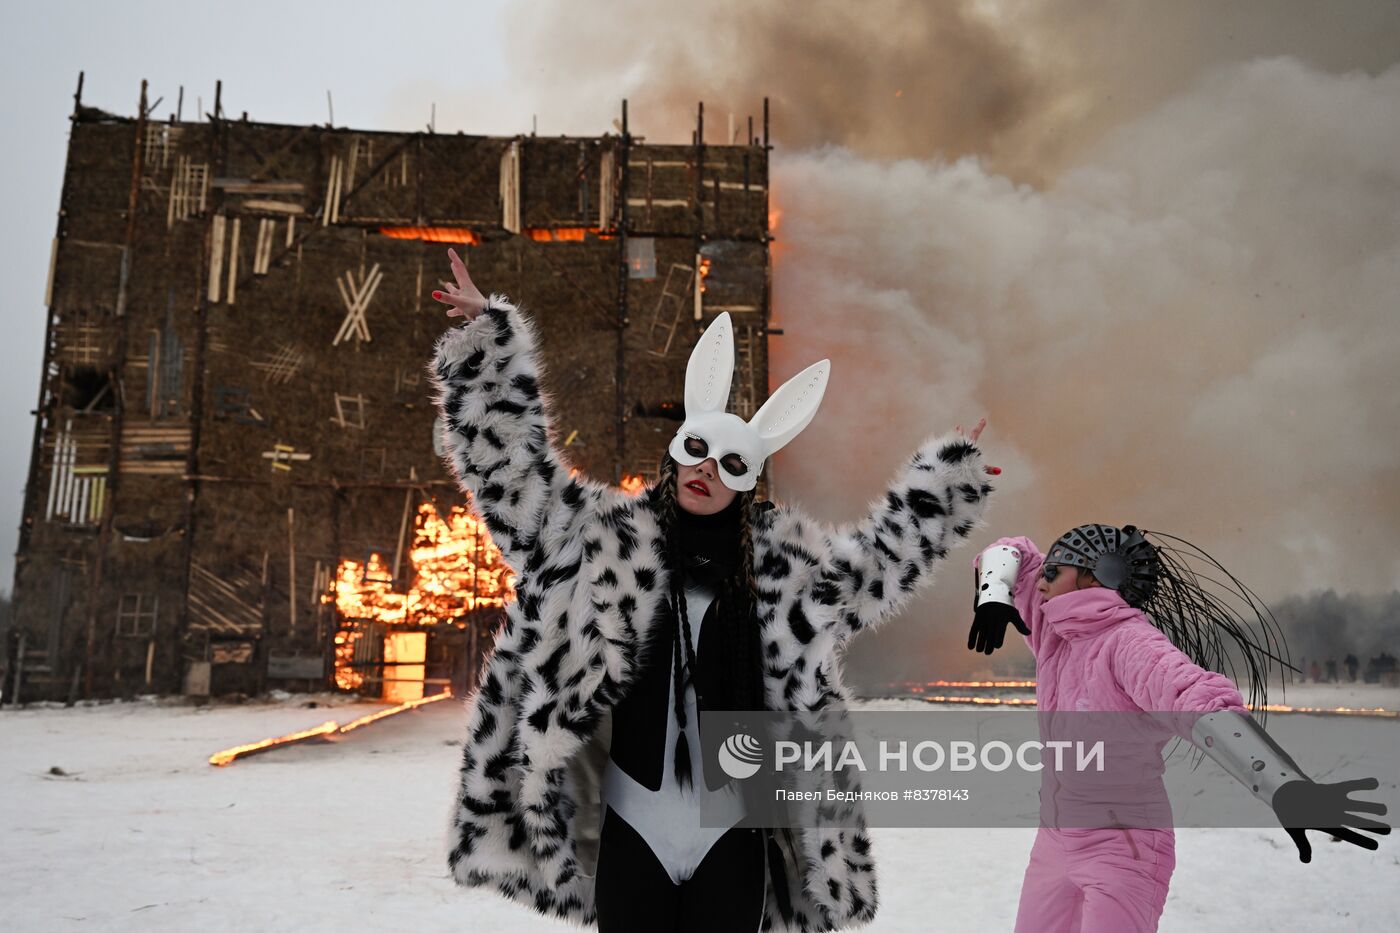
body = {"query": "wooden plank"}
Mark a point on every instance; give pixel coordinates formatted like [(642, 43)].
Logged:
[(153, 467), (216, 258), (319, 733), (55, 470), (273, 207), (249, 186), (154, 437), (258, 246), (510, 188), (155, 434), (292, 568), (331, 213), (266, 257), (233, 261)]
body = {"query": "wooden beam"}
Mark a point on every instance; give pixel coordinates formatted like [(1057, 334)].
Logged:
[(292, 567)]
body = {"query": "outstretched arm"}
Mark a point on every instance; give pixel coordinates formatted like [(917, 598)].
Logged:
[(1236, 742), (1159, 677), (872, 567), (485, 376)]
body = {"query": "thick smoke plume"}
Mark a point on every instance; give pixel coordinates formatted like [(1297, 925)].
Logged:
[(1157, 244)]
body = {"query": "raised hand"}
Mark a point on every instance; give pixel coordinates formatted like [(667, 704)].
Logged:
[(463, 299), (972, 438), (989, 623), (1304, 805)]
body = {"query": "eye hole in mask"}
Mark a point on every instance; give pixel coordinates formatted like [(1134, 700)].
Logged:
[(734, 465), (1050, 572), (695, 446)]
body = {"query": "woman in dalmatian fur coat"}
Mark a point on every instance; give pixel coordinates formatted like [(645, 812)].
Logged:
[(585, 713)]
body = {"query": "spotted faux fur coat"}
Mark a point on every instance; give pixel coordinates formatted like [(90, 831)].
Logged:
[(590, 578)]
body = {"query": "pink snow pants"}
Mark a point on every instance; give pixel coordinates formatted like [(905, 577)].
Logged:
[(1096, 881)]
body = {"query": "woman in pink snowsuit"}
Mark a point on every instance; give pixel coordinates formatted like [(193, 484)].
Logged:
[(1096, 652)]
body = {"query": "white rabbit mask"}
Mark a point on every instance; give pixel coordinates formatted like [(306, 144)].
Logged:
[(739, 447)]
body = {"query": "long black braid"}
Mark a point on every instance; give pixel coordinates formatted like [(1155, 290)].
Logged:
[(1213, 617), (742, 684), (745, 647)]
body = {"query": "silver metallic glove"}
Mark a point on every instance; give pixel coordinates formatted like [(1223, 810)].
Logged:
[(1241, 746), (1237, 743)]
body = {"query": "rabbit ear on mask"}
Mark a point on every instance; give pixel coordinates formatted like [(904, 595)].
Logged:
[(711, 368), (791, 408)]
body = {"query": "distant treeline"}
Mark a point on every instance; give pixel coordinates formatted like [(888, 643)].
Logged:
[(1327, 625)]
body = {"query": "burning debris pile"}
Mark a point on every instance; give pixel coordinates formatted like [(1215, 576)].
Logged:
[(454, 569)]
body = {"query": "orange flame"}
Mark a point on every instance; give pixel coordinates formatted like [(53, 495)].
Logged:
[(982, 701), (433, 234), (1333, 711), (631, 483), (220, 759), (559, 234), (328, 728), (966, 684), (346, 676), (452, 568), (453, 565)]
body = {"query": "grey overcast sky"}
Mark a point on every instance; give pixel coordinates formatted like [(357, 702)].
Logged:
[(276, 60)]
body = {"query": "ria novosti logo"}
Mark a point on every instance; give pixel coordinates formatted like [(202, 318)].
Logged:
[(740, 756)]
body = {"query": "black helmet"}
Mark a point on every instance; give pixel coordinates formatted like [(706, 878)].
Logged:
[(1119, 558)]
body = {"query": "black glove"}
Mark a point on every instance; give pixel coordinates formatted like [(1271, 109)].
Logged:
[(989, 626), (1304, 805)]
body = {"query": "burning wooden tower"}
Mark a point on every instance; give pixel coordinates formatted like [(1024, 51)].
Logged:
[(233, 482)]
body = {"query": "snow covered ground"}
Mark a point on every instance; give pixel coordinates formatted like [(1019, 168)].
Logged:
[(140, 833)]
